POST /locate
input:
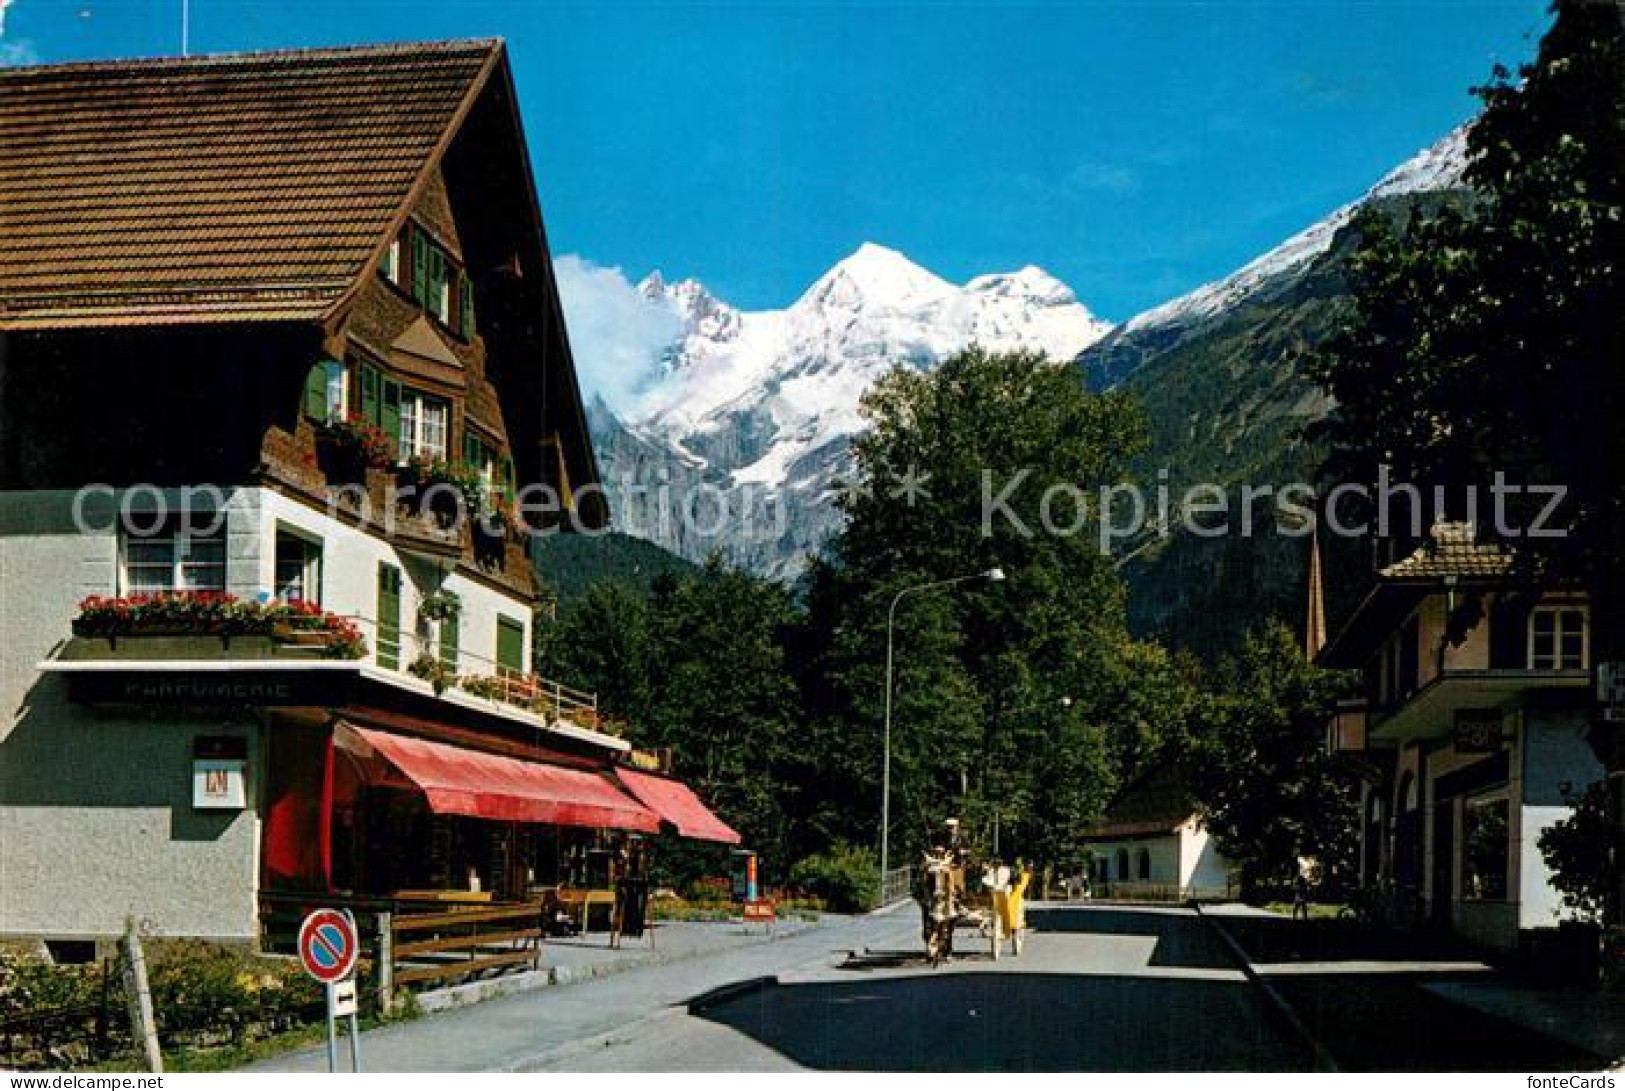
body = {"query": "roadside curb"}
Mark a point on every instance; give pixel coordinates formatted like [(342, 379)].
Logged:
[(550, 977), (1324, 1061)]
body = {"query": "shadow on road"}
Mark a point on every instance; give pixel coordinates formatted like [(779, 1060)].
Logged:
[(1013, 1022), (1181, 939), (1281, 939), (1386, 1023)]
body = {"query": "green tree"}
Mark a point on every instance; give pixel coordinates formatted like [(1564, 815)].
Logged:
[(1265, 783), (602, 642), (723, 699), (988, 460), (1490, 339)]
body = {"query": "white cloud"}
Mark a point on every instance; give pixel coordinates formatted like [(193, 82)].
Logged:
[(616, 332), (17, 51)]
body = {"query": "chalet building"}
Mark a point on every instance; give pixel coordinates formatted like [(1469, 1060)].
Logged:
[(284, 385), (1151, 845), (1470, 740)]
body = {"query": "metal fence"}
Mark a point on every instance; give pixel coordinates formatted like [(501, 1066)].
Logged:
[(895, 885)]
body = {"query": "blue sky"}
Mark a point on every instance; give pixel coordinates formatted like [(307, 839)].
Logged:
[(1133, 150)]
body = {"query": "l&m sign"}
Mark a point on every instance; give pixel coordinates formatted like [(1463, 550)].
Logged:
[(219, 773)]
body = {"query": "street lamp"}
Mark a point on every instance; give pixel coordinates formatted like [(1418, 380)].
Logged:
[(992, 575)]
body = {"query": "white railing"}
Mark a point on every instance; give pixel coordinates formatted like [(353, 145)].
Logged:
[(487, 679)]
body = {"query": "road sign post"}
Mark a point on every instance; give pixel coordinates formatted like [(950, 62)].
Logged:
[(328, 950)]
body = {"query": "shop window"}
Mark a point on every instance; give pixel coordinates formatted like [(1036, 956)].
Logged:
[(1557, 638), (1144, 864), (298, 568), (1122, 864), (174, 553), (1484, 849)]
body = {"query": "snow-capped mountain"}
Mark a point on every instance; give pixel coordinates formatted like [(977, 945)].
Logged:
[(753, 409), (1433, 169)]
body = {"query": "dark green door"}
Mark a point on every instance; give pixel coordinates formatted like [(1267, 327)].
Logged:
[(510, 646), (389, 616)]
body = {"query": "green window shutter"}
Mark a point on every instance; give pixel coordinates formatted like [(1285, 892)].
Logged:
[(507, 478), (471, 448), (420, 268), (389, 616), (370, 406), (316, 392), (465, 300), (389, 417), (450, 640), (510, 646), (437, 277)]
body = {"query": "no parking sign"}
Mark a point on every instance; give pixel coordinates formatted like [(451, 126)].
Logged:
[(328, 949), (327, 945)]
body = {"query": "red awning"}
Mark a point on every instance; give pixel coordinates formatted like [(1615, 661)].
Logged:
[(481, 785), (676, 803)]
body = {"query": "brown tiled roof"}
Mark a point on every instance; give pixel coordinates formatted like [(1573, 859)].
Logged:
[(226, 188), (1452, 549), (1155, 802)]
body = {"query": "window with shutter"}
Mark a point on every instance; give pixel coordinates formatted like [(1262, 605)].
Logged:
[(389, 616), (510, 647), (389, 415), (450, 641), (465, 302), (371, 403), (315, 401), (420, 268)]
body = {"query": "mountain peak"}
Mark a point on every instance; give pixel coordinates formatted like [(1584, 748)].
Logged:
[(875, 274), (1028, 282)]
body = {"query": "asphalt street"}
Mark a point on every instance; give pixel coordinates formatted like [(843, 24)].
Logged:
[(1097, 988), (1094, 990)]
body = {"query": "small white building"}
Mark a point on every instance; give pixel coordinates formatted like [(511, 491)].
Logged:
[(1151, 845)]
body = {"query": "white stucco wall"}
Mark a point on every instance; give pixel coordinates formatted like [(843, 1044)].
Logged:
[(1558, 765), (96, 822), (1202, 866)]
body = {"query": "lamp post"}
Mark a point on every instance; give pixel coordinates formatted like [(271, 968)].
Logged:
[(993, 575)]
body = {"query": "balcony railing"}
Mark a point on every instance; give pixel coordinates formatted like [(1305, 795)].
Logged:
[(421, 656)]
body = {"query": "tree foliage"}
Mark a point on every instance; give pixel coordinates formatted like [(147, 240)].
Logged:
[(1490, 338), (1265, 782)]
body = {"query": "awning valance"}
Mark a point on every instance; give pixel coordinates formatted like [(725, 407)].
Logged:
[(456, 780), (676, 802)]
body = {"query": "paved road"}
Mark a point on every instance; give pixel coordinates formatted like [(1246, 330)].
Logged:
[(1097, 989), (1094, 990), (523, 1031)]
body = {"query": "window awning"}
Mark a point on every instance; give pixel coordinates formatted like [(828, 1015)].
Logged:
[(676, 802), (480, 785)]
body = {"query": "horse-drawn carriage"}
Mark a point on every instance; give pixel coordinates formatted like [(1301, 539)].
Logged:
[(947, 903)]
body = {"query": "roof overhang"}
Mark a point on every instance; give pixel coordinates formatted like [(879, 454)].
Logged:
[(1430, 713)]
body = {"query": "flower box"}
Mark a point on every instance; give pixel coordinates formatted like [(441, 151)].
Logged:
[(209, 624)]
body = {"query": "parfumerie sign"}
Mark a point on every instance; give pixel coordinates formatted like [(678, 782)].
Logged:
[(246, 687)]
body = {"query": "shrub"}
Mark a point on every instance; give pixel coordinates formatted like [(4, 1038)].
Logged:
[(1583, 851), (846, 877)]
